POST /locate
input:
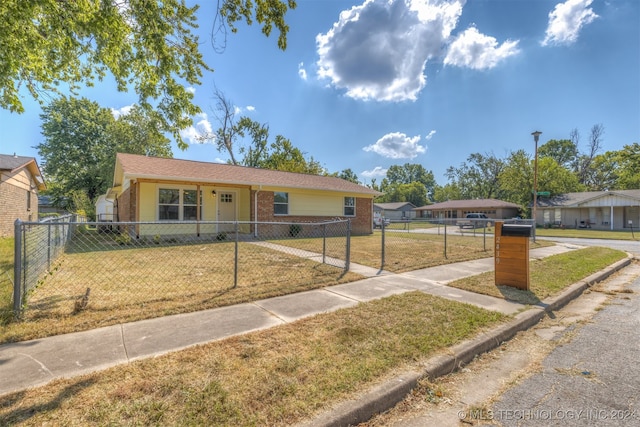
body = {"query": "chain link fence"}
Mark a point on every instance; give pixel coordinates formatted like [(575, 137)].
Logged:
[(420, 243), (130, 271), (64, 267)]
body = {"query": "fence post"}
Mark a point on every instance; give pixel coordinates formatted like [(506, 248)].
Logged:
[(17, 268), (324, 243), (49, 246), (235, 266), (445, 240), (383, 253), (484, 236), (348, 260)]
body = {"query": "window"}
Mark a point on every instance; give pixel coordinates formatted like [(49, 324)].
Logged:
[(178, 205), (280, 203), (28, 200), (169, 204), (349, 206), (189, 205)]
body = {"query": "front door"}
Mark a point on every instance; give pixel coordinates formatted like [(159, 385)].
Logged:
[(226, 210)]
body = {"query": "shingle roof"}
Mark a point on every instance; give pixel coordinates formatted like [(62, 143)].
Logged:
[(574, 199), (11, 162), (137, 166), (469, 204), (393, 206)]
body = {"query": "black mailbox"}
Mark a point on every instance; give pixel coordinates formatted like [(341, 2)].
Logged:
[(520, 230)]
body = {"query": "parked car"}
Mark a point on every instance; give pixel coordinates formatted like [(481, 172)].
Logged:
[(474, 220)]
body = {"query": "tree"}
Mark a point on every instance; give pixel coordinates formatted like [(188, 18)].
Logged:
[(348, 175), (604, 173), (414, 192), (81, 142), (584, 162), (283, 156), (563, 151), (516, 180), (446, 192), (478, 179), (58, 46), (629, 171), (408, 174)]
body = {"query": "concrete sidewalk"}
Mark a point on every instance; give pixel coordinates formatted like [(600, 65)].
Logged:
[(33, 363)]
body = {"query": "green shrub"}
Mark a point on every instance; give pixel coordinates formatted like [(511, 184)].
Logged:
[(294, 230)]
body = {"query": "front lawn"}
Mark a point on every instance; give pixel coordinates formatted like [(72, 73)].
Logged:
[(548, 276), (276, 377), (6, 280)]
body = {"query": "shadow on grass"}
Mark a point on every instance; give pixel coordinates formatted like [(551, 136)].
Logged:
[(518, 295), (24, 413)]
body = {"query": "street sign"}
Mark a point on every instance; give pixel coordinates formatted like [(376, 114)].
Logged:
[(544, 193)]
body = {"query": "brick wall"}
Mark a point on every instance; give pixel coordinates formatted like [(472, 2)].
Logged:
[(126, 205), (14, 206), (360, 224)]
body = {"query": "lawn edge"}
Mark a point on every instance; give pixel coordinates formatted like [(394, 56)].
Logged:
[(385, 396)]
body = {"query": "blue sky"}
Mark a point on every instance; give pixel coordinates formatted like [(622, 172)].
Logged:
[(370, 84)]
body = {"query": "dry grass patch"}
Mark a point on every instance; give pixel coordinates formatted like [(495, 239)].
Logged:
[(412, 251), (275, 377), (548, 276), (134, 284)]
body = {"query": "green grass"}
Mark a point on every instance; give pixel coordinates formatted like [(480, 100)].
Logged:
[(588, 233), (548, 276), (6, 277), (276, 377)]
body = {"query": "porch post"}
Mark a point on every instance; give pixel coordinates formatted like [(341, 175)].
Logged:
[(611, 219)]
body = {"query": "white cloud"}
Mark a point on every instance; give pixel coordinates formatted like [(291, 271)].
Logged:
[(376, 172), (123, 111), (191, 89), (251, 108), (378, 50), (302, 72), (430, 135), (478, 51), (201, 128), (566, 20), (397, 145)]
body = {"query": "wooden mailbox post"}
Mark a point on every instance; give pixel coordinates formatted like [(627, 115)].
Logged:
[(512, 255)]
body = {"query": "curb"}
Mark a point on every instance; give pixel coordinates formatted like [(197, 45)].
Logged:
[(388, 394)]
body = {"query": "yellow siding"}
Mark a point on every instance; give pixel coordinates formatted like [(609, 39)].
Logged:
[(148, 201), (315, 202), (244, 204), (21, 179), (149, 207)]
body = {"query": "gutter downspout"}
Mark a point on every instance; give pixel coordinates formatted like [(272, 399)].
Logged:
[(255, 211)]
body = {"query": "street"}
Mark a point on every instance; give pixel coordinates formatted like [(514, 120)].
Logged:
[(576, 367)]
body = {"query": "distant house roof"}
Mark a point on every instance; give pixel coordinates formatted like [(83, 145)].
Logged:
[(576, 199), (469, 204), (13, 163), (133, 166), (396, 206)]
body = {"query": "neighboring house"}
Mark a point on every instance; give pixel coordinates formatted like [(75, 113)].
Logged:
[(20, 180), (45, 206), (158, 189), (396, 211), (492, 208), (604, 210)]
